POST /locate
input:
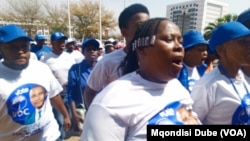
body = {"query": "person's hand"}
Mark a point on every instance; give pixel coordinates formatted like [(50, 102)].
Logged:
[(67, 124), (186, 116), (77, 119)]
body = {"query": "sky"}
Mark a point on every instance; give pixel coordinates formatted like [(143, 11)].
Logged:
[(158, 8)]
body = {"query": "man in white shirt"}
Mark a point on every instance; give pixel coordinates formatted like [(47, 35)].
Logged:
[(18, 75), (59, 62), (108, 66), (71, 49)]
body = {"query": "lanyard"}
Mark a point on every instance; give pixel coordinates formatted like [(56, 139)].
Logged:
[(245, 105), (221, 68)]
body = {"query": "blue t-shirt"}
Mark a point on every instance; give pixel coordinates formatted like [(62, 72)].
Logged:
[(40, 51), (77, 81)]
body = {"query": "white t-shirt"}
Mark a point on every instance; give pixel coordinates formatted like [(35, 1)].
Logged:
[(33, 56), (77, 55), (218, 101), (18, 121), (60, 65), (123, 109), (105, 71), (247, 78), (193, 76)]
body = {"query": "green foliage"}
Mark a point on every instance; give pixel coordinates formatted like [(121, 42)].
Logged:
[(211, 26), (36, 14)]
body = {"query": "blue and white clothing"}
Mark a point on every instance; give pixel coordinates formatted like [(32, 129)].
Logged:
[(189, 75), (222, 100), (129, 104), (40, 52), (77, 81), (20, 119)]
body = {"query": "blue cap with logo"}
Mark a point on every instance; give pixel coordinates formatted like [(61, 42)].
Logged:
[(40, 37), (192, 38), (90, 41), (57, 36), (226, 32), (12, 32)]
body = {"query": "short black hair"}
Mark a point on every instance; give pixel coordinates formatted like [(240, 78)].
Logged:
[(129, 12)]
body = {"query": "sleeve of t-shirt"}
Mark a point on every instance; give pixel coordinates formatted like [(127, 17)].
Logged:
[(54, 85), (202, 101), (102, 125), (98, 77)]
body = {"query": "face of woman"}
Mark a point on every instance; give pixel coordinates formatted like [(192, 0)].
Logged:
[(196, 55), (163, 61), (237, 51)]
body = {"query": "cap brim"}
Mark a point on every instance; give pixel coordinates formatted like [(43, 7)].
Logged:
[(41, 39), (21, 37), (242, 35), (91, 41), (64, 37), (196, 43), (59, 38)]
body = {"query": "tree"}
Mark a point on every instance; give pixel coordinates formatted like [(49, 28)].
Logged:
[(85, 17), (36, 14), (211, 26), (56, 17), (25, 13)]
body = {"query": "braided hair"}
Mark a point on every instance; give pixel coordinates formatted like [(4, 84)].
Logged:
[(144, 37)]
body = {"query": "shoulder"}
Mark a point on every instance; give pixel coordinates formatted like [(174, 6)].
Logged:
[(113, 59), (37, 63), (209, 78), (48, 55), (47, 47), (75, 66)]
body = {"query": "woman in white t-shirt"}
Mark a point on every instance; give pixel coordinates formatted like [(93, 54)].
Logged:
[(222, 95), (147, 90)]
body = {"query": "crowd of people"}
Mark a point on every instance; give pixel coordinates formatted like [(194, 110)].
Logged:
[(106, 92)]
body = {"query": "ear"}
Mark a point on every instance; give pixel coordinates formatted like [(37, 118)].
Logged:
[(187, 52), (1, 52), (141, 52), (124, 32), (52, 42), (220, 49)]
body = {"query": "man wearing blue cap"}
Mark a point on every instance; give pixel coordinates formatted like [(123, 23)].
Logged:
[(77, 80), (195, 53), (18, 75), (40, 49), (59, 61), (222, 95)]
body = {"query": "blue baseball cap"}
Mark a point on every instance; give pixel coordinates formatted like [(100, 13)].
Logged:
[(12, 32), (226, 32), (192, 38), (90, 41), (40, 37), (244, 16), (57, 36)]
